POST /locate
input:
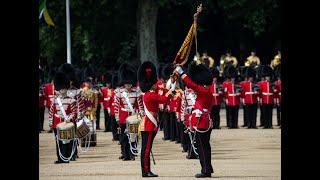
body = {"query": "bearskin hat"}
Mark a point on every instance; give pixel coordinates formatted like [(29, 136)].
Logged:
[(266, 71), (167, 71), (61, 81), (200, 74), (249, 72), (147, 76), (230, 72), (215, 72), (127, 74)]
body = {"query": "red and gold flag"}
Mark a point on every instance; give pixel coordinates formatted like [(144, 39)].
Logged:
[(184, 51)]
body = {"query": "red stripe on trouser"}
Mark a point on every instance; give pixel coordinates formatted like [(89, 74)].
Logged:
[(147, 153)]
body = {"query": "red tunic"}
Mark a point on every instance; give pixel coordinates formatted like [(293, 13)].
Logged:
[(48, 93), (151, 100), (203, 104), (121, 108), (55, 115), (266, 92), (231, 96), (247, 93), (277, 94), (107, 97), (217, 95)]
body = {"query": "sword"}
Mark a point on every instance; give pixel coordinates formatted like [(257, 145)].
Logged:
[(154, 162)]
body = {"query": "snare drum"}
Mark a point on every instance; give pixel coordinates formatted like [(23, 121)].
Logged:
[(133, 124), (82, 129), (66, 131)]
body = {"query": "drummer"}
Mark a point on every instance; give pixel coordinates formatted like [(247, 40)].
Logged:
[(127, 102), (73, 74), (61, 84)]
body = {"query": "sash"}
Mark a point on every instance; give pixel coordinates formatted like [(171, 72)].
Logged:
[(149, 115)]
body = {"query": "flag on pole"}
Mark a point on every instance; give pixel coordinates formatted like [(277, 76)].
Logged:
[(43, 10), (184, 51)]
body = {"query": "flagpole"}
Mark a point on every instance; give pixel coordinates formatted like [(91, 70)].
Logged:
[(68, 33)]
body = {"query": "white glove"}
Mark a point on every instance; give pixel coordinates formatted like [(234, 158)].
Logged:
[(50, 123), (173, 86), (67, 119), (179, 70)]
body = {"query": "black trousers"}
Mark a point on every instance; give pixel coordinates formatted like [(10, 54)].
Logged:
[(64, 148), (160, 114), (173, 126), (233, 116), (107, 121), (215, 116), (75, 154), (124, 141), (98, 116), (114, 128), (267, 108), (251, 115), (41, 118), (227, 116), (190, 150), (245, 116), (261, 116), (204, 151), (166, 125), (147, 141), (278, 115), (182, 136)]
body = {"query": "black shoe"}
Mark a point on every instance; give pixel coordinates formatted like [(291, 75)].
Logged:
[(50, 131), (60, 162), (73, 159), (128, 159), (191, 157), (121, 157), (184, 150), (177, 142), (149, 174), (203, 175), (119, 143)]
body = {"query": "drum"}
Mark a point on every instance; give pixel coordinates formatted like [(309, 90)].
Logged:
[(132, 124), (91, 139), (66, 131), (82, 129)]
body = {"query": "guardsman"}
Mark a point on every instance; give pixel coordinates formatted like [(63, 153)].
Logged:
[(147, 77), (232, 92), (266, 89), (217, 99), (127, 102), (199, 79), (249, 97)]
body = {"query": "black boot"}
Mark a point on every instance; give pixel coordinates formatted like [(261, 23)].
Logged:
[(149, 174), (203, 175)]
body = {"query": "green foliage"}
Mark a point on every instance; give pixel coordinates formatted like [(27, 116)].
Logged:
[(105, 30)]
